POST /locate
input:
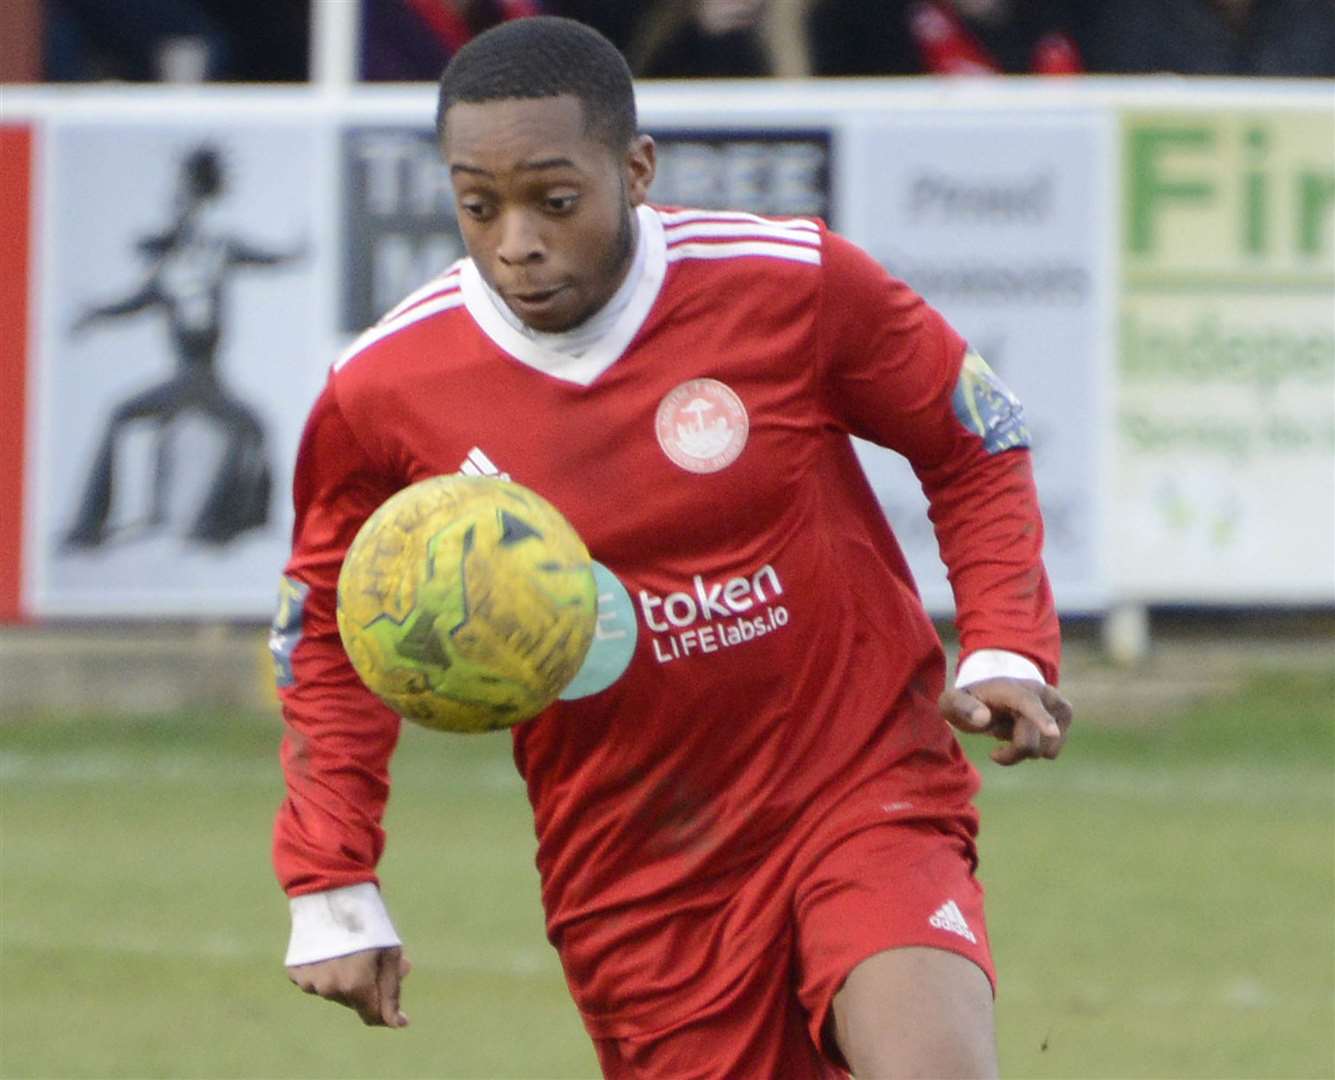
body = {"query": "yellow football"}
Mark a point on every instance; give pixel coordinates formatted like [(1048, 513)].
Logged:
[(467, 603)]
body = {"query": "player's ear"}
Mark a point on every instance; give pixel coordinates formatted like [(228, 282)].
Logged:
[(640, 165)]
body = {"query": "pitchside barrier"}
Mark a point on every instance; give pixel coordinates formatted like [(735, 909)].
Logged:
[(1149, 264)]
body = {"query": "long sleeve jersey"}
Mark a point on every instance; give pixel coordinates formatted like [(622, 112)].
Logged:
[(760, 639)]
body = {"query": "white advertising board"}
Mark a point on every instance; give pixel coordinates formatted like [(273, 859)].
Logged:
[(1150, 267), (993, 218), (181, 345)]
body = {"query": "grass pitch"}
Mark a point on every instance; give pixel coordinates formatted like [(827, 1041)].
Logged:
[(1160, 900)]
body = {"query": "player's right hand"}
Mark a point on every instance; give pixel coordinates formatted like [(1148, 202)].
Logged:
[(366, 982)]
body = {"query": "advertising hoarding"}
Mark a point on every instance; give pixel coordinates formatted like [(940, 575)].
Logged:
[(1225, 425), (398, 222), (989, 218), (15, 260), (181, 348), (1150, 269)]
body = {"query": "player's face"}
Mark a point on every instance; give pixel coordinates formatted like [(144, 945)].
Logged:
[(545, 207)]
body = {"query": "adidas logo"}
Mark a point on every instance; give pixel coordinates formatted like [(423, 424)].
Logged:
[(478, 464), (949, 917)]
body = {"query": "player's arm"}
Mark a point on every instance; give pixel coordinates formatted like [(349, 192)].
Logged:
[(898, 375), (337, 741)]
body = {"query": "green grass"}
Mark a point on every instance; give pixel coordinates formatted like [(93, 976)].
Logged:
[(1162, 904), (1162, 900)]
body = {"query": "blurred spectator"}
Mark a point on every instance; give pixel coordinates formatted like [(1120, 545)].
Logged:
[(704, 39), (176, 40), (411, 40), (271, 38), (1213, 37), (20, 41), (135, 40), (674, 39), (943, 37)]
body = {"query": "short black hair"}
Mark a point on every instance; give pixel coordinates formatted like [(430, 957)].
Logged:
[(545, 56)]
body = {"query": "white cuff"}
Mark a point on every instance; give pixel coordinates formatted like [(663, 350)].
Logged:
[(338, 922), (995, 664)]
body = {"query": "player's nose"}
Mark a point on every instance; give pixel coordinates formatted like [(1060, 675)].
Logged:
[(521, 241)]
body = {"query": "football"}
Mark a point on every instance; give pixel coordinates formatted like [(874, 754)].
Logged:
[(467, 603)]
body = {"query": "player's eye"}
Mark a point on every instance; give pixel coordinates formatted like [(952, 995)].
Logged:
[(560, 204), (477, 209)]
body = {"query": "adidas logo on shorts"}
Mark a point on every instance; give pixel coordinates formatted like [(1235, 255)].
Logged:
[(949, 917)]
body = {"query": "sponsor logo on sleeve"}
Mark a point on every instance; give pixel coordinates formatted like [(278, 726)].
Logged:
[(986, 406), (285, 632)]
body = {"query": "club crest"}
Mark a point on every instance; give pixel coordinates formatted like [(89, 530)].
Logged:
[(702, 426)]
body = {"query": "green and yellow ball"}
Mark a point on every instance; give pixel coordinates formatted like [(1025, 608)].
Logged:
[(467, 603)]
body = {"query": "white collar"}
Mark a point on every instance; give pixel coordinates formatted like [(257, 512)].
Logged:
[(582, 354)]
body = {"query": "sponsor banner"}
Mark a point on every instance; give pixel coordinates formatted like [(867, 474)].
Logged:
[(764, 170), (398, 218), (1225, 420), (994, 220), (193, 291), (16, 144), (183, 343), (399, 227)]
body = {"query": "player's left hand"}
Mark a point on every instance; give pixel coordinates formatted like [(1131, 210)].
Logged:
[(1031, 719)]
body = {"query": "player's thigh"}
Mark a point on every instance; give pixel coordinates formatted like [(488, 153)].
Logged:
[(916, 1012), (879, 899)]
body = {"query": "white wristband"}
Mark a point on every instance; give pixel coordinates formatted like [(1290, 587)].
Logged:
[(337, 922), (995, 664)]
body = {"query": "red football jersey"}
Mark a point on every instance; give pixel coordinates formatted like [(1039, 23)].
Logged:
[(758, 623)]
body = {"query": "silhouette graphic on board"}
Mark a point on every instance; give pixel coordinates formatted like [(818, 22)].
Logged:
[(189, 266)]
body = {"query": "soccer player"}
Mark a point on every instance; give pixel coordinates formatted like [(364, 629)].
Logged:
[(755, 828)]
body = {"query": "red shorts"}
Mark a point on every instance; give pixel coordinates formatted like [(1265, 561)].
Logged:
[(886, 884)]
